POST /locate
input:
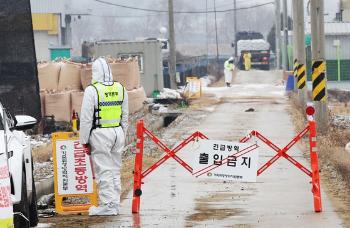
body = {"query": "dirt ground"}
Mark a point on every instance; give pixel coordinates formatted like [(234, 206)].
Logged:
[(42, 153), (217, 205), (334, 161), (197, 110)]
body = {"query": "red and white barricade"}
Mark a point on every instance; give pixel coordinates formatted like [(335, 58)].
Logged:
[(139, 174)]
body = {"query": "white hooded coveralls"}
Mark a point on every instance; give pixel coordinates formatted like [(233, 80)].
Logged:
[(106, 143), (228, 71)]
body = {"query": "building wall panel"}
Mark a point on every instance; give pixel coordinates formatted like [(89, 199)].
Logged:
[(47, 6)]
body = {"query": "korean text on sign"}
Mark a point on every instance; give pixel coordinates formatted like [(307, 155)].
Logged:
[(216, 159), (73, 168), (6, 212)]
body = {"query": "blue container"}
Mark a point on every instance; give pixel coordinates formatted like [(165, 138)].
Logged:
[(290, 83)]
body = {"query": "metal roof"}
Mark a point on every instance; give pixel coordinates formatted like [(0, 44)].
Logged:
[(332, 28)]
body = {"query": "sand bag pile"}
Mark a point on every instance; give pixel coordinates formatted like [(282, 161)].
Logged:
[(62, 86)]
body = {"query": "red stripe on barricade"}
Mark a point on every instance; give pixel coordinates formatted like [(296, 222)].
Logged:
[(167, 156), (283, 152), (139, 175), (316, 188), (167, 150)]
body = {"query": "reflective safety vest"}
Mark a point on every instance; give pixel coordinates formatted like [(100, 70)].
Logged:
[(228, 66), (109, 105)]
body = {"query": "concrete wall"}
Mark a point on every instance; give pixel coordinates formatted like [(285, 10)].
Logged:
[(150, 51), (42, 42)]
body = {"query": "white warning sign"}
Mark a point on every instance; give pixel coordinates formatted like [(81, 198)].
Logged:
[(74, 174), (226, 160)]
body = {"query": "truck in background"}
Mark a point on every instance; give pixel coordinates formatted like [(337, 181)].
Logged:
[(260, 51), (253, 43)]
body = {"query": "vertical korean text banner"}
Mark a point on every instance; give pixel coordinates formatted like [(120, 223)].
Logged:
[(6, 210), (74, 173)]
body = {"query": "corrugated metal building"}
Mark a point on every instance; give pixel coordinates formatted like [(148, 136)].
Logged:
[(335, 31), (51, 25)]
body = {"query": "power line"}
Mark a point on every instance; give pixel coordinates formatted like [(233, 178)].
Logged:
[(182, 12), (226, 5), (125, 16), (150, 15)]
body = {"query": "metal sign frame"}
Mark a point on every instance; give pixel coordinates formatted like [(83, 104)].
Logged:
[(69, 208)]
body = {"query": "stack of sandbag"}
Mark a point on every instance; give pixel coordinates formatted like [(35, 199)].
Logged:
[(127, 73), (136, 72), (42, 103), (86, 75), (48, 75), (136, 98), (69, 77), (62, 84), (58, 105), (77, 100)]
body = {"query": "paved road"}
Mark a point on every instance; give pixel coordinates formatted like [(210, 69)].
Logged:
[(280, 198)]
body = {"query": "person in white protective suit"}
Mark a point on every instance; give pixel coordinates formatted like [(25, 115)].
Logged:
[(103, 125), (229, 67)]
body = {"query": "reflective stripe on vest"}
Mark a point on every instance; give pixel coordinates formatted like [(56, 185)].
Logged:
[(110, 100)]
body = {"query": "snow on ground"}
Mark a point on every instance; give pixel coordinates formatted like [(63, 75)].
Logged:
[(341, 121), (39, 140), (241, 90)]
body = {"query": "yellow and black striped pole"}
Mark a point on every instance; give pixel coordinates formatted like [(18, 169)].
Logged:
[(319, 81), (295, 68), (295, 73), (301, 76)]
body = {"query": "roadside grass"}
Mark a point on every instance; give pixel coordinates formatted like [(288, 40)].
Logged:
[(338, 108), (42, 153), (334, 161)]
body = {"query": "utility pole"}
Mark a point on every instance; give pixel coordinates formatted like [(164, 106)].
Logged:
[(285, 35), (172, 54), (278, 33), (319, 78), (206, 28), (295, 44), (235, 25), (299, 51), (216, 40)]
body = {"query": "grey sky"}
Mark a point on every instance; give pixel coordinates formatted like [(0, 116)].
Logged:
[(191, 28)]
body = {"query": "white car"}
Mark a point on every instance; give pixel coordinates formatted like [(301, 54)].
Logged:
[(20, 166)]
